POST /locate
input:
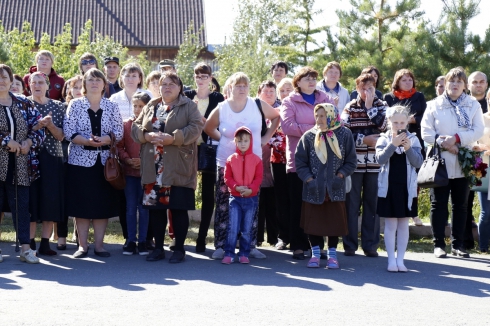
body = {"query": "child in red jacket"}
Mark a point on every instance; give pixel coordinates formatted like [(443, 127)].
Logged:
[(243, 176)]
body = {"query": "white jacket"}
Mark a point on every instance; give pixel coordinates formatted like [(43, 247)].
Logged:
[(440, 119)]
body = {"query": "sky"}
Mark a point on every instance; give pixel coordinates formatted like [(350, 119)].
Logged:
[(220, 15)]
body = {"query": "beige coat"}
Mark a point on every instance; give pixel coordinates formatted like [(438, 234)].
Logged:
[(185, 123)]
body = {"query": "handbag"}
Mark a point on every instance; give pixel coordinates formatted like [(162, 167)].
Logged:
[(263, 129), (433, 173), (113, 171), (206, 161)]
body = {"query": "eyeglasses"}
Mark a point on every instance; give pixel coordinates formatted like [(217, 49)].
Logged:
[(308, 79), (202, 77), (88, 62), (169, 85)]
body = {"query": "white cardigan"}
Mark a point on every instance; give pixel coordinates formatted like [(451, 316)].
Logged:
[(77, 122), (440, 119), (124, 104)]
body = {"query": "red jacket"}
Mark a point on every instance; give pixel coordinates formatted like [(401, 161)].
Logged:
[(56, 84), (243, 169), (128, 148)]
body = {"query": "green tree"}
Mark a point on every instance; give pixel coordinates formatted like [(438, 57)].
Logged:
[(4, 56), (20, 45), (64, 64), (188, 53), (249, 47), (299, 36)]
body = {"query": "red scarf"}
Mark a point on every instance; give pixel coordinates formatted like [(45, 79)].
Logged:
[(404, 94)]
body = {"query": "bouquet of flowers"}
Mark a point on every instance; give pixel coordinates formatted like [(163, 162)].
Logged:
[(472, 165)]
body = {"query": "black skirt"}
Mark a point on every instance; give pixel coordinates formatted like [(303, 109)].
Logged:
[(88, 194), (46, 194)]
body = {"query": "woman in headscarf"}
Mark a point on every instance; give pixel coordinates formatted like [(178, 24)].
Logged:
[(325, 157)]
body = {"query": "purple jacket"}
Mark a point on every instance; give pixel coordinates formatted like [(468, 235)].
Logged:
[(297, 117)]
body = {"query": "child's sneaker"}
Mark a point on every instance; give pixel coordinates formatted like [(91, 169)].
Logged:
[(314, 262), (227, 260), (244, 260), (142, 249), (29, 256), (332, 263)]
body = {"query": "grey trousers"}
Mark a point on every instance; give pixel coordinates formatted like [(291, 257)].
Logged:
[(364, 191)]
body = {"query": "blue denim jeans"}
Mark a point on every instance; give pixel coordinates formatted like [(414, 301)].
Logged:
[(484, 223), (241, 213), (134, 199)]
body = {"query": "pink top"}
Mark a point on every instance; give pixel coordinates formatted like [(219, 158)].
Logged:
[(297, 117)]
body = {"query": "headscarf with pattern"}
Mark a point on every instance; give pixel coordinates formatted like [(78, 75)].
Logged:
[(333, 122)]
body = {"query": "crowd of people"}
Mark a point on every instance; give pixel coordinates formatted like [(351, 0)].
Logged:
[(299, 162)]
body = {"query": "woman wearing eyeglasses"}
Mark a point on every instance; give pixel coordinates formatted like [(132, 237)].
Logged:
[(297, 118), (206, 100), (88, 123), (88, 61)]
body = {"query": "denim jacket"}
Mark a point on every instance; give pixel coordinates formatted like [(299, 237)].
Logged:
[(384, 150)]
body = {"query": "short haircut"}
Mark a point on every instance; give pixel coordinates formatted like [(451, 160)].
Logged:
[(264, 84), (283, 82), (154, 75), (19, 78), (4, 67), (86, 56), (239, 78), (438, 79), (370, 69), (45, 53), (302, 73), (174, 77), (330, 65), (95, 73), (130, 68), (364, 79), (399, 75), (141, 96), (280, 64), (70, 83), (202, 68), (42, 75), (396, 109), (459, 73), (241, 133), (474, 73)]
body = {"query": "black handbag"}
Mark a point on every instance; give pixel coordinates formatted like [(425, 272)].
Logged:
[(433, 173), (206, 161), (263, 129)]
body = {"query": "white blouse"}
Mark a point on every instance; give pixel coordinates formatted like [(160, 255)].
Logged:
[(77, 122), (124, 103)]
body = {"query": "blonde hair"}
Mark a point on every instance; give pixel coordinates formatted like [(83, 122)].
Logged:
[(397, 109), (45, 53), (283, 82), (239, 78)]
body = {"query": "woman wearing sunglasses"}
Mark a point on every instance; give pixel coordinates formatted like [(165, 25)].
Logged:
[(88, 61)]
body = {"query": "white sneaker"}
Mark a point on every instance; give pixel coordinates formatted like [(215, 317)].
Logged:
[(29, 256), (254, 253), (218, 254)]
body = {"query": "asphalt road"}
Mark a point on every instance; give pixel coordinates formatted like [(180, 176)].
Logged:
[(127, 290)]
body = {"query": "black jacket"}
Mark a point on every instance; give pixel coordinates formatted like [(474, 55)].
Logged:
[(214, 99)]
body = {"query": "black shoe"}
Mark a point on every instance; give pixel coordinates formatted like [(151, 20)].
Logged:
[(61, 247), (157, 254), (300, 256), (349, 252), (460, 253), (149, 245), (80, 254), (125, 245), (177, 257), (172, 245), (142, 249), (103, 254), (371, 253), (200, 247), (129, 249)]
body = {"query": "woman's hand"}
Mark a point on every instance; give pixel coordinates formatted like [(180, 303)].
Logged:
[(406, 143), (161, 139), (369, 99), (94, 141), (398, 139), (453, 149), (14, 147), (448, 141), (25, 146)]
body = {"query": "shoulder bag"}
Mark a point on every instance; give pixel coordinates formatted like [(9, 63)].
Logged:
[(264, 124), (113, 171), (433, 173), (206, 161)]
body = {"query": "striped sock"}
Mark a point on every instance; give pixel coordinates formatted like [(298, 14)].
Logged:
[(332, 253), (315, 251)]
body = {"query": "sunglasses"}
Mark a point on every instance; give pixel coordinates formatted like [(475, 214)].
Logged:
[(88, 62)]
